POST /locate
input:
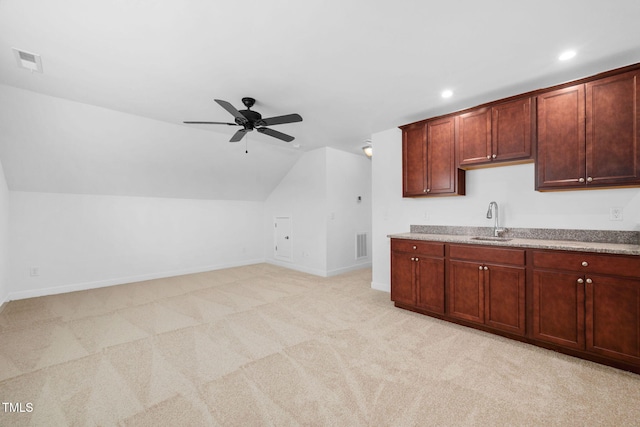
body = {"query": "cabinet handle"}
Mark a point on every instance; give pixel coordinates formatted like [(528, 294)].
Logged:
[(589, 281), (585, 264), (424, 191), (415, 247), (480, 268), (413, 259), (580, 281), (580, 179), (485, 268), (589, 179), (494, 156), (417, 259), (488, 157), (428, 190)]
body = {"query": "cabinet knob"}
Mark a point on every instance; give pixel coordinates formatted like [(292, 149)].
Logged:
[(585, 264), (480, 268), (580, 179), (417, 259), (415, 247), (488, 157), (589, 179), (428, 190), (424, 191), (589, 281), (485, 268), (494, 156), (580, 280), (413, 259)]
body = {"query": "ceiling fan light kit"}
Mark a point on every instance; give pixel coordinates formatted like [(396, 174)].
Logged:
[(252, 120)]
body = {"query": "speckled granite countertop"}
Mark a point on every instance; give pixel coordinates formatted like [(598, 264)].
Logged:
[(601, 241)]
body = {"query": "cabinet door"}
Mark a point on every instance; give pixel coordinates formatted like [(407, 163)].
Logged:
[(441, 161), (504, 298), (511, 130), (613, 130), (613, 317), (474, 137), (402, 278), (466, 291), (560, 161), (558, 308), (414, 160), (430, 284)]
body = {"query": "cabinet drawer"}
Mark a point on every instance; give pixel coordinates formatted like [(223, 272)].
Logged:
[(595, 263), (418, 247), (487, 254)]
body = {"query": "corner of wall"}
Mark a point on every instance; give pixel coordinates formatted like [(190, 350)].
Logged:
[(4, 238)]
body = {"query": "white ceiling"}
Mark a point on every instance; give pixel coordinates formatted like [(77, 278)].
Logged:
[(350, 68)]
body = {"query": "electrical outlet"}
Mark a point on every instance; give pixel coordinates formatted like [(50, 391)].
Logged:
[(34, 271), (615, 214)]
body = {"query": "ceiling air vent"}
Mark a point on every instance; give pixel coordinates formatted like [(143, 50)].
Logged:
[(28, 60)]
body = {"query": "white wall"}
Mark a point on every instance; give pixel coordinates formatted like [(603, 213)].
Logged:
[(301, 195), (511, 186), (320, 194), (4, 237), (87, 241), (348, 176)]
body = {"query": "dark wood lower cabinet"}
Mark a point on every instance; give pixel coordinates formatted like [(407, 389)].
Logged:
[(580, 303), (613, 317), (417, 271), (505, 298), (558, 309), (466, 291), (485, 292)]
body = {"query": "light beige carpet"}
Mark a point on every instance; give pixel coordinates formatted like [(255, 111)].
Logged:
[(262, 345)]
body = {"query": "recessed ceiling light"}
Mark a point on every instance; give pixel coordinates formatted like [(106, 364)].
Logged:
[(446, 93), (566, 55)]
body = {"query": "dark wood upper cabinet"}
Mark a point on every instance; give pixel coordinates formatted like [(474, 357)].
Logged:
[(429, 159), (588, 134), (581, 134), (500, 133), (613, 130), (474, 137), (414, 160), (561, 142), (511, 130)]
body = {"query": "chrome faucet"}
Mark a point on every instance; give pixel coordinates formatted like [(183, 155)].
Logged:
[(493, 206)]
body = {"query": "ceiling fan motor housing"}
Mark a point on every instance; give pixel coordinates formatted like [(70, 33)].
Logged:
[(252, 116)]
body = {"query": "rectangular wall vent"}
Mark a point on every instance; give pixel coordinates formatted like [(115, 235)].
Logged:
[(361, 245), (28, 60)]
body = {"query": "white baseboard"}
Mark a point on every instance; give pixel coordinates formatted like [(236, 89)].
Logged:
[(122, 280), (380, 286), (291, 266), (343, 270), (317, 271)]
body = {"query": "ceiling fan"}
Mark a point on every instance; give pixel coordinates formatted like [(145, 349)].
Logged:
[(250, 120)]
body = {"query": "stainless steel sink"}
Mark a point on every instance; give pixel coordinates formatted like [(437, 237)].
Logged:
[(492, 239)]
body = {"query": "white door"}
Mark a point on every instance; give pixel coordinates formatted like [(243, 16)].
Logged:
[(283, 240)]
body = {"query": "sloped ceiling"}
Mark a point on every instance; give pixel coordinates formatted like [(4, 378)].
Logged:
[(120, 76)]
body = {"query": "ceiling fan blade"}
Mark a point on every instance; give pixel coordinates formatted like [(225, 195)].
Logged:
[(238, 135), (240, 119), (279, 120), (211, 123), (276, 134)]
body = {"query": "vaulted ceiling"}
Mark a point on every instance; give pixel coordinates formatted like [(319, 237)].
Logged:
[(119, 77)]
